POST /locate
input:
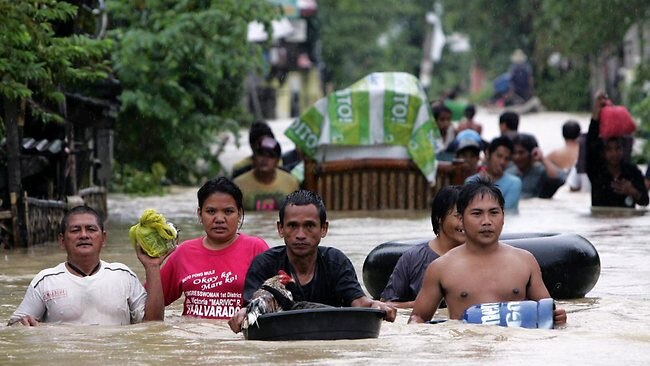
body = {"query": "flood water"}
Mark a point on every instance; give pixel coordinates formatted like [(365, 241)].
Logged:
[(610, 326)]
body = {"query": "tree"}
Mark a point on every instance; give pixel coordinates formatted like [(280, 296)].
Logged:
[(588, 34), (495, 27), (585, 28), (363, 36), (581, 31), (37, 66), (182, 66)]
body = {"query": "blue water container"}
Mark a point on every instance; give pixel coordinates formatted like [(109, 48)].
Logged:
[(523, 314), (545, 309), (488, 313)]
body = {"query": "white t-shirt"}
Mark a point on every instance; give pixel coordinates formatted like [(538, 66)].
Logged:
[(112, 296)]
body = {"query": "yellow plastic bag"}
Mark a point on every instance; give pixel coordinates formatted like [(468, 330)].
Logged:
[(156, 236)]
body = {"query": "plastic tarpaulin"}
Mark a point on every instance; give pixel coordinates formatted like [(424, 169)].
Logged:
[(381, 109)]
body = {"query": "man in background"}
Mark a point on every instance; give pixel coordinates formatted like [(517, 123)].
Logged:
[(509, 124), (266, 185), (498, 157), (567, 156), (539, 176)]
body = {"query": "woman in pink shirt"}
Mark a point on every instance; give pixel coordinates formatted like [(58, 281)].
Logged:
[(210, 270)]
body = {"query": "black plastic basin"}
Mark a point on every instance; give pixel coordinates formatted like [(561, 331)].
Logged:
[(317, 324)]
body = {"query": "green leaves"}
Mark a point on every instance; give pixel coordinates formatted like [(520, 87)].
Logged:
[(35, 64), (583, 27), (364, 36), (182, 66)]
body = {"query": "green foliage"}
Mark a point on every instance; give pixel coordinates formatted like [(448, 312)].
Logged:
[(565, 90), (35, 64), (585, 27), (127, 179), (182, 66), (638, 99), (364, 36), (451, 72), (496, 28), (580, 30)]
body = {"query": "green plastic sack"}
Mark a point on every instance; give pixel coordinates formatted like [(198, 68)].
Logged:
[(156, 236), (383, 108)]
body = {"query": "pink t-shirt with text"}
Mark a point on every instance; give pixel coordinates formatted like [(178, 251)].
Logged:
[(212, 280)]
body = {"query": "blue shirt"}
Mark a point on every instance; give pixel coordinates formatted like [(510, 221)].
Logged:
[(535, 182), (510, 187)]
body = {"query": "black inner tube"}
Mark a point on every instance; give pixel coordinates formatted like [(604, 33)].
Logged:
[(570, 264)]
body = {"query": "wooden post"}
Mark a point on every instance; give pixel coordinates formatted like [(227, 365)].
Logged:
[(71, 162), (16, 195)]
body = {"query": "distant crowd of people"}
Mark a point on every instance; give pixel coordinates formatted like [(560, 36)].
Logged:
[(517, 165)]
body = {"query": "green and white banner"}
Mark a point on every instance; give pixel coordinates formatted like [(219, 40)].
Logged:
[(387, 108)]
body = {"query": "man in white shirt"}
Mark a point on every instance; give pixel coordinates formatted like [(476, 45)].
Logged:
[(87, 290)]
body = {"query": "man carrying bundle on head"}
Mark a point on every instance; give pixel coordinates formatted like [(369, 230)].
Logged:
[(614, 182)]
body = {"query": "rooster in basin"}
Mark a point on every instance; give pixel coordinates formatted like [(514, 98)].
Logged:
[(275, 296), (272, 297)]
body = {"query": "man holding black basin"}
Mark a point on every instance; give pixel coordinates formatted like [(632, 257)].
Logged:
[(322, 274)]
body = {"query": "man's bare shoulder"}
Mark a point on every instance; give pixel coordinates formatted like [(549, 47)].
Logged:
[(517, 252), (456, 252), (452, 257)]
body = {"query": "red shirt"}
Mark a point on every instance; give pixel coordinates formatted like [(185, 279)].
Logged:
[(212, 280)]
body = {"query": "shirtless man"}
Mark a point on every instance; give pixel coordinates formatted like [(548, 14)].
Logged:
[(405, 281), (482, 270), (469, 122), (567, 156)]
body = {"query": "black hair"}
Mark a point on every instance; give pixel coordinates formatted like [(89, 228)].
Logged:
[(570, 130), (511, 120), (303, 197), (258, 130), (500, 141), (478, 187), (442, 205), (437, 110), (470, 111), (619, 140), (220, 185), (527, 141), (476, 150), (79, 210)]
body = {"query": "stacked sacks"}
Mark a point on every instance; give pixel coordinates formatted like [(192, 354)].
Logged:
[(156, 236)]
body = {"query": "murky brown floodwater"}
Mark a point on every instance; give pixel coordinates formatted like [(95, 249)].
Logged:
[(610, 326)]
